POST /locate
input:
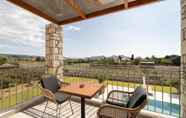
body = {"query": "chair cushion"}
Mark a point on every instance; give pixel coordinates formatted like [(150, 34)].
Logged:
[(118, 99), (61, 97), (50, 83), (137, 98), (116, 102)]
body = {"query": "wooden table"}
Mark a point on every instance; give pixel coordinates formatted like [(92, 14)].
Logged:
[(83, 90)]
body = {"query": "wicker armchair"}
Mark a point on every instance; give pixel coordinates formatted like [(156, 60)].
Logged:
[(50, 91), (121, 104)]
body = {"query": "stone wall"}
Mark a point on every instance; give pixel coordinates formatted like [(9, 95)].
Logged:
[(54, 50), (183, 59)]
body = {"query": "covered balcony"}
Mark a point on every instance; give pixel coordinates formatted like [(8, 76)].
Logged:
[(25, 96), (22, 97)]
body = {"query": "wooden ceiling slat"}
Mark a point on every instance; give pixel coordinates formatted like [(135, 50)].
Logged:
[(99, 1), (126, 4), (76, 8)]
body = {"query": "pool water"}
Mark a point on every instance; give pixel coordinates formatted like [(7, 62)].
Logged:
[(164, 107)]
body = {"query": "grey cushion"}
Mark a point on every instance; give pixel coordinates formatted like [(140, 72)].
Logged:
[(50, 83), (61, 97), (120, 103), (137, 98), (118, 99)]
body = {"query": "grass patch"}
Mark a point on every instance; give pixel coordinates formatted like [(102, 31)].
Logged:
[(30, 92), (158, 88), (21, 97)]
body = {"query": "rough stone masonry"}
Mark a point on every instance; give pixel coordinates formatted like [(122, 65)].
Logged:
[(54, 50), (183, 59)]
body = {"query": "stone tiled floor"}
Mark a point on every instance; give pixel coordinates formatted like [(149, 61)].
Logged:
[(91, 112), (36, 111)]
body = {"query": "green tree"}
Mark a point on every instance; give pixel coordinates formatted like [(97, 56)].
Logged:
[(165, 61), (132, 57), (38, 59), (136, 61), (147, 59), (176, 61), (3, 60)]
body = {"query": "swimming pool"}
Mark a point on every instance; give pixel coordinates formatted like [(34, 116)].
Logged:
[(164, 107)]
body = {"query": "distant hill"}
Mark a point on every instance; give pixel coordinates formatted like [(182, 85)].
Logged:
[(19, 57)]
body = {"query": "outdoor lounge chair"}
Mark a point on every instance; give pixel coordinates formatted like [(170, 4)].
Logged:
[(50, 91), (121, 104)]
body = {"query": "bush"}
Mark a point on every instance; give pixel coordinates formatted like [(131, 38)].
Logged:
[(176, 61), (136, 61), (174, 83), (165, 62), (3, 60)]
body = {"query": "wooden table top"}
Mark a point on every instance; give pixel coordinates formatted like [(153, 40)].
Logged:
[(88, 90)]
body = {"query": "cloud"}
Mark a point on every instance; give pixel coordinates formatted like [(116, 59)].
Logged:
[(20, 31), (72, 28)]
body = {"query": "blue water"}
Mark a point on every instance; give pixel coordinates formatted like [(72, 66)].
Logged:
[(164, 107)]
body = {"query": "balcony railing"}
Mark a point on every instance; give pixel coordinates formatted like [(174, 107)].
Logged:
[(163, 84), (18, 85)]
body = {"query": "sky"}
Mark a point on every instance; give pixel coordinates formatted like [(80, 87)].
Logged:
[(144, 31)]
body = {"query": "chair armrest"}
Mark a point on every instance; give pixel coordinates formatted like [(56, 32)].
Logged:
[(121, 91), (49, 95), (118, 91), (113, 111), (61, 83)]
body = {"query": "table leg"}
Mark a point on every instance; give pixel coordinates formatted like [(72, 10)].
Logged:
[(82, 107)]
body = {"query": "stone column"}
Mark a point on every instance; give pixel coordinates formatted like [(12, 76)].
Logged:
[(183, 57), (54, 50)]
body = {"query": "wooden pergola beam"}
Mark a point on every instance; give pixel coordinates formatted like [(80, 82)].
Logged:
[(76, 8), (126, 4), (133, 4), (82, 15), (99, 1)]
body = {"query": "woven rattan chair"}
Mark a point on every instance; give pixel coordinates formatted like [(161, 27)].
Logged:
[(50, 91), (121, 104)]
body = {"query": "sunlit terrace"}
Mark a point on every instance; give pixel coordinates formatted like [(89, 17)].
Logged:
[(163, 98), (53, 88)]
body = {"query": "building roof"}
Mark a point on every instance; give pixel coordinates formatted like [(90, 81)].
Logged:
[(68, 11)]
